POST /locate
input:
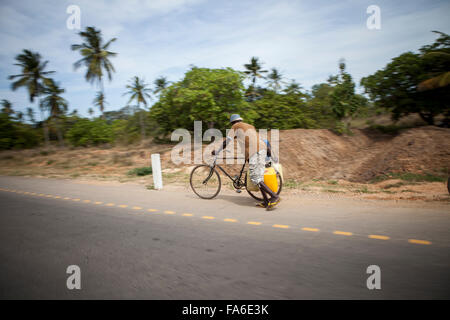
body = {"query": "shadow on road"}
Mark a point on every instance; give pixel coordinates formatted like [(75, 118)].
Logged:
[(241, 200)]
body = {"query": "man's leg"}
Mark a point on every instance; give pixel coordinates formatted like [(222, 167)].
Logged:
[(256, 171), (265, 189), (265, 201), (257, 165)]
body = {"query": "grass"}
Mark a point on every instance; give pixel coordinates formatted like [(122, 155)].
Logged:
[(291, 184), (393, 129), (394, 185), (178, 177), (46, 153), (332, 191), (410, 177), (122, 159), (142, 171), (364, 190)]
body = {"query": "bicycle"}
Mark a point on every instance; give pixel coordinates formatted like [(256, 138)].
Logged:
[(206, 183)]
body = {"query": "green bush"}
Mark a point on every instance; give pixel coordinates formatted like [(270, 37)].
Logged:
[(87, 132), (142, 171), (16, 135)]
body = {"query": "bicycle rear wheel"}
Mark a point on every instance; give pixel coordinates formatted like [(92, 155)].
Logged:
[(205, 181), (257, 194)]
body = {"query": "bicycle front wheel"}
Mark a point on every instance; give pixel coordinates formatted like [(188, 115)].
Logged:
[(205, 181)]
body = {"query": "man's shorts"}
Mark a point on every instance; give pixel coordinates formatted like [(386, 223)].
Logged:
[(257, 165)]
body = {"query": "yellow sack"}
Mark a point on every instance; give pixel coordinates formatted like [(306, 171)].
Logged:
[(250, 185), (270, 179)]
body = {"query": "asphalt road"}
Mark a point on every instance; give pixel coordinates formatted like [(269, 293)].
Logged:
[(132, 243)]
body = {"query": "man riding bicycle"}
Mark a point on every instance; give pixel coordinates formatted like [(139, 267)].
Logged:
[(250, 141)]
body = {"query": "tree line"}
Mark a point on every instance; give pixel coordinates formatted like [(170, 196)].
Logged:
[(414, 82)]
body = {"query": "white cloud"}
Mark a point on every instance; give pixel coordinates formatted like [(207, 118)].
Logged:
[(303, 39)]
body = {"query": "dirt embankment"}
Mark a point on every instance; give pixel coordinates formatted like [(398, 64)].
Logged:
[(321, 154), (313, 160)]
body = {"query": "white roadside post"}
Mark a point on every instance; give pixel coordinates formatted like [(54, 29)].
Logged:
[(156, 171)]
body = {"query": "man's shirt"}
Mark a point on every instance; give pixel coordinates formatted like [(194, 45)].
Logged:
[(247, 137)]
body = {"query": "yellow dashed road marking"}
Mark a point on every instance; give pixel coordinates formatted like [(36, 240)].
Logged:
[(282, 226), (111, 204), (311, 229), (419, 241), (375, 236), (343, 233)]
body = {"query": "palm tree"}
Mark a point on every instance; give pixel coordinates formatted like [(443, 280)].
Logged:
[(100, 101), (160, 84), (293, 88), (440, 50), (275, 79), (7, 107), (19, 116), (30, 115), (91, 111), (441, 79), (33, 77), (56, 105), (138, 90), (95, 56), (253, 71)]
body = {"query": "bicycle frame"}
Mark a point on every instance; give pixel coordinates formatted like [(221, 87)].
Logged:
[(238, 178)]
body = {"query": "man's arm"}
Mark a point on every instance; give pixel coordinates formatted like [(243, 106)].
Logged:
[(269, 152), (224, 145)]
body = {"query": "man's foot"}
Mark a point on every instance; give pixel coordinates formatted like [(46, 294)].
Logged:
[(272, 203), (261, 204)]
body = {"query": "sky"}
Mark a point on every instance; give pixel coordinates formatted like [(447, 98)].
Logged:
[(302, 39)]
